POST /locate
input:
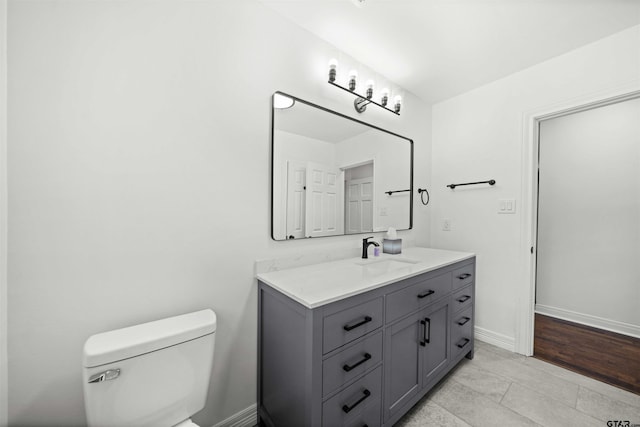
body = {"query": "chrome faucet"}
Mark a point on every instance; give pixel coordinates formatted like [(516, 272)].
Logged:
[(365, 246)]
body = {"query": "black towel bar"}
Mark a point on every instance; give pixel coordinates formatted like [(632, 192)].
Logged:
[(490, 182), (395, 191)]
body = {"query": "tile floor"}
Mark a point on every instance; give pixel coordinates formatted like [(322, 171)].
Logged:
[(500, 388)]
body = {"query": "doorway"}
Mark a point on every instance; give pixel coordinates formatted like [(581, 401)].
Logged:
[(587, 286), (359, 198)]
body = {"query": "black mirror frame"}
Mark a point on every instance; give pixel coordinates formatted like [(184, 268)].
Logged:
[(271, 170)]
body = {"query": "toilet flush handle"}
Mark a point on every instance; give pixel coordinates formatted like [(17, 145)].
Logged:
[(111, 374)]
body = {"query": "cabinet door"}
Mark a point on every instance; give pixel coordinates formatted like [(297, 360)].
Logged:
[(435, 325), (402, 362)]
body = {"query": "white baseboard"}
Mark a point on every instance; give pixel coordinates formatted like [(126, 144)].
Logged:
[(587, 319), (494, 338), (248, 417)]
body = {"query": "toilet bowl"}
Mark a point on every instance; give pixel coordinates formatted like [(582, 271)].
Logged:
[(151, 375)]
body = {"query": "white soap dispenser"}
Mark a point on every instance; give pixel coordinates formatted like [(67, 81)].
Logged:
[(392, 244)]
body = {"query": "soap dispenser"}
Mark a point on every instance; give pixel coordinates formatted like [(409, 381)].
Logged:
[(391, 244)]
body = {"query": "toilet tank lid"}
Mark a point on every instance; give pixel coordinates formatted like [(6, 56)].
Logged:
[(119, 344)]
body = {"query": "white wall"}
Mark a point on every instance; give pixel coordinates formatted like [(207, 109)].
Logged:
[(389, 152), (588, 216), (3, 213), (138, 170), (480, 135)]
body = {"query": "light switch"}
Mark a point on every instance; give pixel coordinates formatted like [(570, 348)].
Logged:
[(506, 206)]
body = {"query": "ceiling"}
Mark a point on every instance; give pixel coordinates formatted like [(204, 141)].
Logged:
[(437, 49)]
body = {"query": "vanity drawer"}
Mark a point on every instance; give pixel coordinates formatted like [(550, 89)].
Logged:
[(351, 362), (417, 295), (463, 276), (462, 299), (360, 399), (370, 417), (462, 332), (347, 325)]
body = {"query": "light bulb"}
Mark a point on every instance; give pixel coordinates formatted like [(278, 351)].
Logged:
[(353, 75), (333, 69), (397, 101), (384, 98), (369, 86)]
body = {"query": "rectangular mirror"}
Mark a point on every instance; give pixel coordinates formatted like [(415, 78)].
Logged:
[(334, 175)]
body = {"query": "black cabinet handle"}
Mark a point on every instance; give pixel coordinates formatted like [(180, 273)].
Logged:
[(367, 319), (428, 339), (366, 357), (347, 408), (426, 332), (464, 276), (463, 298), (426, 294), (463, 320), (462, 344)]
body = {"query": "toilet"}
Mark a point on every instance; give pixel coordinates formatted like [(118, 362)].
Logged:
[(154, 374)]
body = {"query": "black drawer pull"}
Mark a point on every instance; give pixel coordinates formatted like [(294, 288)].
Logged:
[(367, 319), (426, 294), (463, 320), (463, 298), (347, 408), (464, 276), (462, 344), (366, 357)]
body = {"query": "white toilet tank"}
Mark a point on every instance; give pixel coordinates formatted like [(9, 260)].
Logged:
[(154, 374)]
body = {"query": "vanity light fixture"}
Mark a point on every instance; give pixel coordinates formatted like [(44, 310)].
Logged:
[(397, 103), (333, 69), (353, 76), (384, 98), (361, 102), (369, 89)]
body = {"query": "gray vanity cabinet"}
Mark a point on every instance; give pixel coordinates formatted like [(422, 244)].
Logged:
[(417, 350), (364, 360), (435, 341), (403, 363)]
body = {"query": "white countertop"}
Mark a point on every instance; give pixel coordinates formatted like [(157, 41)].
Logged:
[(319, 284)]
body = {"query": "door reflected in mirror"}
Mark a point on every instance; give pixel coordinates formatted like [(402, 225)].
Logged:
[(331, 174)]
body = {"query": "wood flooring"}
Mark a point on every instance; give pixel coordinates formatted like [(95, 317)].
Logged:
[(606, 356)]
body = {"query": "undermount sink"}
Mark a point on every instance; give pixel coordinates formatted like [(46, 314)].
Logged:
[(381, 266)]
